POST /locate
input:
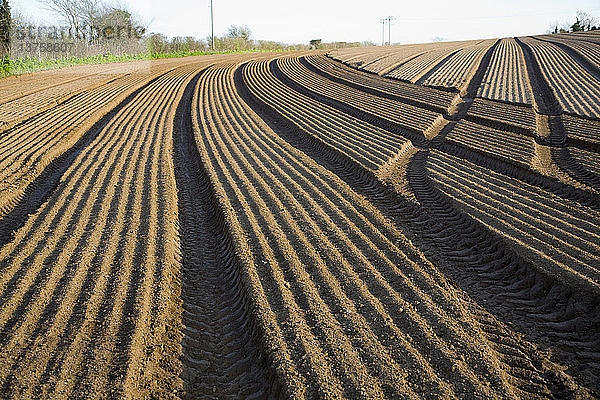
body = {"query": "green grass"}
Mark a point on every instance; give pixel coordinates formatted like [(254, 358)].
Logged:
[(29, 64)]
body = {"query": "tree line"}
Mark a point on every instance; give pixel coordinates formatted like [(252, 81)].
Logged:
[(97, 28), (89, 21), (236, 38), (583, 22)]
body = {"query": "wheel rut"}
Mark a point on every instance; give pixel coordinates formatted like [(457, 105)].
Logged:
[(550, 128), (556, 172), (468, 254), (373, 91), (220, 357), (377, 120)]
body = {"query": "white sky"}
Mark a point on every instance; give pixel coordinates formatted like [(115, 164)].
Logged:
[(301, 21)]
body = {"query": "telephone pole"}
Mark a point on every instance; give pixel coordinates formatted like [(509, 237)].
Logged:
[(212, 28), (389, 20)]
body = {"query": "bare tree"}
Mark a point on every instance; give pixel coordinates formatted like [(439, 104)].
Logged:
[(90, 12), (67, 10), (239, 32), (586, 20), (18, 18), (237, 38), (118, 20), (5, 27), (559, 27)]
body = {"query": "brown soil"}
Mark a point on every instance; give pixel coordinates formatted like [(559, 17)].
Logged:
[(287, 226)]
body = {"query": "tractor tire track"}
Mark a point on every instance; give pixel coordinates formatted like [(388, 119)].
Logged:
[(551, 130), (426, 227), (103, 311), (221, 358), (329, 276)]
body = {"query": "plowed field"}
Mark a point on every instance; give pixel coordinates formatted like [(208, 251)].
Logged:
[(416, 221)]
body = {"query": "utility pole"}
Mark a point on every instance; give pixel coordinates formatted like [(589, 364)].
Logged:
[(212, 28), (389, 19)]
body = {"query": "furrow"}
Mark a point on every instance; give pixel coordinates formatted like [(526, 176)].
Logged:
[(368, 144), (328, 287), (410, 117), (16, 87), (505, 78), (415, 69), (458, 69), (35, 193), (17, 110), (564, 244), (312, 147), (354, 107), (59, 314), (591, 67), (433, 100), (414, 221), (545, 179), (535, 285), (575, 89), (220, 354), (30, 180)]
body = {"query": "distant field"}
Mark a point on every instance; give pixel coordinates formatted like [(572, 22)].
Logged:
[(417, 221)]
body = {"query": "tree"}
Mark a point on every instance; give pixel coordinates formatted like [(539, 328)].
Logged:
[(315, 44), (583, 22), (90, 12), (239, 32), (115, 22), (559, 27), (157, 43), (5, 32), (236, 38), (96, 18), (586, 21), (69, 12), (577, 27)]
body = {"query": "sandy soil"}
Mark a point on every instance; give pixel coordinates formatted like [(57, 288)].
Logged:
[(289, 226)]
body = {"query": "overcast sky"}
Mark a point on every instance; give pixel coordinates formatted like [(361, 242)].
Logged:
[(301, 21)]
